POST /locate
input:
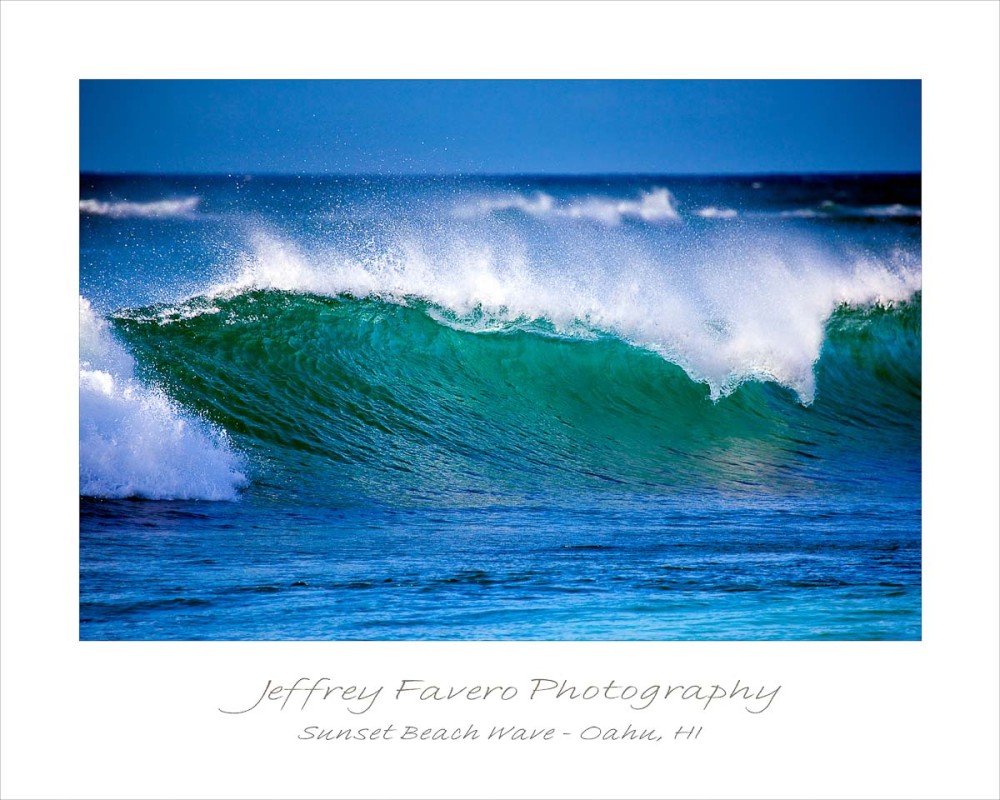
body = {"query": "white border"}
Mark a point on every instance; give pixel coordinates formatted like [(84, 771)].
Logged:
[(856, 720)]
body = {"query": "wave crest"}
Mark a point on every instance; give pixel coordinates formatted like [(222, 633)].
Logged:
[(748, 311)]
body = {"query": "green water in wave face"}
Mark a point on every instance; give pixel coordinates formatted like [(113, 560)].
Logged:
[(385, 399)]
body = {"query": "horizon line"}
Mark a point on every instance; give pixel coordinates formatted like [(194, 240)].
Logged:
[(613, 174)]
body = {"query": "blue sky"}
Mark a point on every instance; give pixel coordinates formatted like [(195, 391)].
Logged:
[(558, 127)]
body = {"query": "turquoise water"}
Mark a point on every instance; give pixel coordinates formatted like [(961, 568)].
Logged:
[(606, 408)]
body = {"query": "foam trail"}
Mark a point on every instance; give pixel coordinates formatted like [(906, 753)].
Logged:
[(183, 207), (134, 440)]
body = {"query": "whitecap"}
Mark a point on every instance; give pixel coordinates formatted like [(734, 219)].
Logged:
[(181, 207), (135, 441)]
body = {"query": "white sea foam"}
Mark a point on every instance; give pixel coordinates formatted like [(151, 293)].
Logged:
[(711, 212), (744, 309), (181, 207), (655, 206), (134, 440)]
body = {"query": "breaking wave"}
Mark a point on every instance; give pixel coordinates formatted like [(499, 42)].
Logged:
[(182, 207), (135, 441)]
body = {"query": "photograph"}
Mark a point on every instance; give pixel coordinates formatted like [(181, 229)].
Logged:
[(500, 400), (479, 360)]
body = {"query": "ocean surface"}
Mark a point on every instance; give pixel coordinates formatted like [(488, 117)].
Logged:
[(615, 408)]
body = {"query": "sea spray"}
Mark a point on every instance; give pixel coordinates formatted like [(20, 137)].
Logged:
[(750, 308)]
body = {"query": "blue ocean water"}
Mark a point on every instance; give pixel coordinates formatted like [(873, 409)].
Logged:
[(500, 408)]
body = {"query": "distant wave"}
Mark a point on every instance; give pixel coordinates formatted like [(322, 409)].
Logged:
[(711, 212), (134, 440), (803, 213), (182, 207), (829, 209), (894, 210), (657, 205)]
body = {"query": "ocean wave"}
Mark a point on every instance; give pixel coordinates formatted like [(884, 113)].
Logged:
[(746, 311), (892, 210), (655, 206), (803, 213), (134, 440), (397, 396), (180, 207), (711, 212), (829, 210)]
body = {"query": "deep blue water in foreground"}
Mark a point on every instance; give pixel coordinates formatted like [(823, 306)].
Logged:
[(500, 408)]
